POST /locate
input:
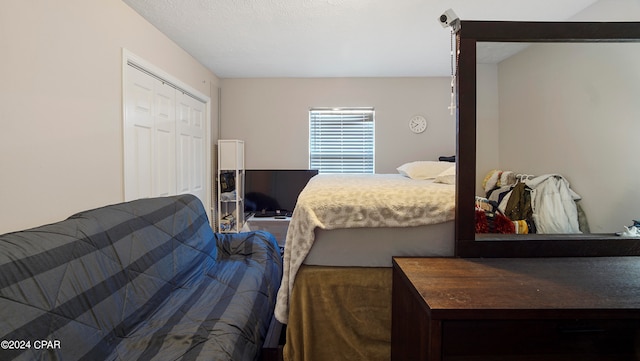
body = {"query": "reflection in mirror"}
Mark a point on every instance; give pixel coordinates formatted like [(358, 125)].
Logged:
[(571, 109)]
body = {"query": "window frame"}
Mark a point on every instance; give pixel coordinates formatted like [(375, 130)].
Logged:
[(348, 126)]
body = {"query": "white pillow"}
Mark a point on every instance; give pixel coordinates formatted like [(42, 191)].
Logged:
[(425, 169), (447, 177)]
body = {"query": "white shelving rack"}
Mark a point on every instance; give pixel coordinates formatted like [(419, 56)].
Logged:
[(230, 184)]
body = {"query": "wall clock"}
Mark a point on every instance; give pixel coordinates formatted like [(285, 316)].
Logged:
[(418, 124)]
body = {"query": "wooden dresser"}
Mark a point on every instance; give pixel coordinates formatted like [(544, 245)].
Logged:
[(516, 309)]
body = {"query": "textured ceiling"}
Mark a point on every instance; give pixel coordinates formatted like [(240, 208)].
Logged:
[(330, 38)]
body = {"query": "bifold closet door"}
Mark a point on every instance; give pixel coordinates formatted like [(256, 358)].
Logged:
[(190, 146), (165, 151), (149, 137)]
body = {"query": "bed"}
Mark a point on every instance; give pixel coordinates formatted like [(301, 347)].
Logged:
[(336, 287)]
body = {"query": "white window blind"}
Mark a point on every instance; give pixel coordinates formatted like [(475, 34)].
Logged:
[(341, 140)]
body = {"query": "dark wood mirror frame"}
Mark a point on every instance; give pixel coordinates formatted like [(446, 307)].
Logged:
[(469, 34)]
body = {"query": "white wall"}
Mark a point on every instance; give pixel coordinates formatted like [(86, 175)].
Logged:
[(610, 10), (271, 116), (61, 103)]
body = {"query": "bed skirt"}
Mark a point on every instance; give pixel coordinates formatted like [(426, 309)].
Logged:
[(340, 313)]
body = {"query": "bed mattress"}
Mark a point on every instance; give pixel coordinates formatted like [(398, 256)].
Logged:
[(374, 247)]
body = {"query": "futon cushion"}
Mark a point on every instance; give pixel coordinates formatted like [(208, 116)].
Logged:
[(137, 280)]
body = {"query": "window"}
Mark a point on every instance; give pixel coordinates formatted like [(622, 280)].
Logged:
[(341, 140)]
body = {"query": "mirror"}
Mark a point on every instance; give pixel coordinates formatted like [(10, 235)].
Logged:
[(555, 98), (568, 109)]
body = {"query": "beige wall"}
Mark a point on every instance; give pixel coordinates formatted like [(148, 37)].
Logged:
[(61, 103), (271, 116)]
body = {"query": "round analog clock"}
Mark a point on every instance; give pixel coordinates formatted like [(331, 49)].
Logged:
[(418, 124)]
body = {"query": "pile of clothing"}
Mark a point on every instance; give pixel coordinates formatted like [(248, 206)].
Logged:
[(521, 203)]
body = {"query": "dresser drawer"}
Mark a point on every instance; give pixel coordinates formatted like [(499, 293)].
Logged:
[(540, 339)]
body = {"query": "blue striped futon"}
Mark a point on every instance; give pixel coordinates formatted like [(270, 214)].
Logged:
[(143, 280)]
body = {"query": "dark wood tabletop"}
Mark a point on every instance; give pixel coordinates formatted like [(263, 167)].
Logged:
[(496, 288)]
